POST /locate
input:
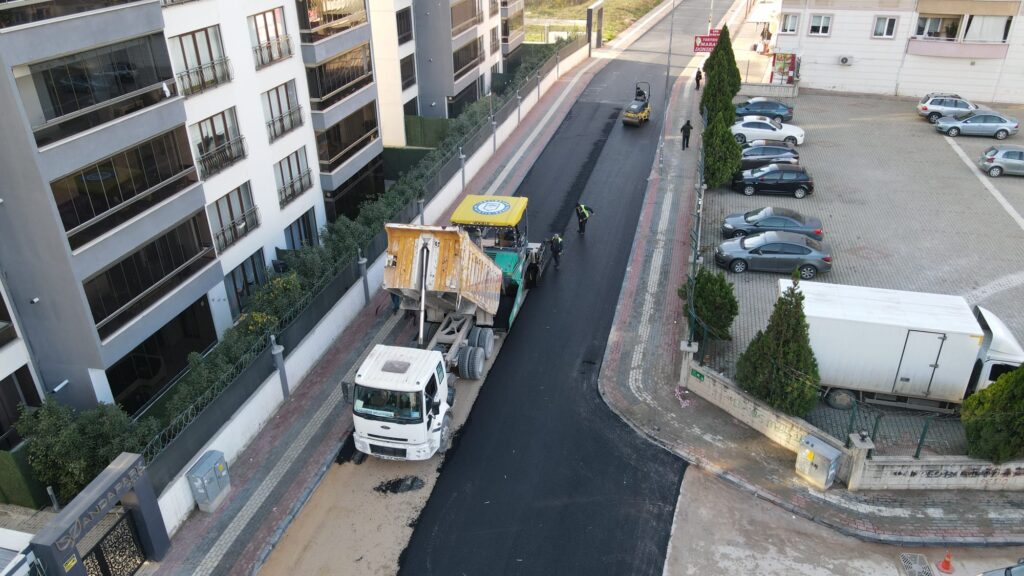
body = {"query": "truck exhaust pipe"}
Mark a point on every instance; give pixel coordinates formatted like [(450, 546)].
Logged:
[(424, 262)]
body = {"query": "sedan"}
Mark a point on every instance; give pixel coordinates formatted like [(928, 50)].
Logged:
[(774, 179), (764, 128), (1016, 570), (771, 219), (1002, 159), (764, 107), (757, 156), (978, 123), (775, 252)]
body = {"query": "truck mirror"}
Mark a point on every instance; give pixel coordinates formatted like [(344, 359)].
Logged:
[(435, 406)]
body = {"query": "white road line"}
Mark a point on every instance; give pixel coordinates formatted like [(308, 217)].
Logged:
[(994, 287), (1007, 207)]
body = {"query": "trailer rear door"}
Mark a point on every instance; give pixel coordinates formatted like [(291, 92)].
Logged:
[(918, 364)]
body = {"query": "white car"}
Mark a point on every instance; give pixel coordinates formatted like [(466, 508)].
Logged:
[(764, 128)]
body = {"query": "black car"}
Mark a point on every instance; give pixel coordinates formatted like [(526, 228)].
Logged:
[(774, 179), (757, 156), (771, 218), (764, 107)]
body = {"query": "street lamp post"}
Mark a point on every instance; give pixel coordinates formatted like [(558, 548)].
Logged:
[(668, 64)]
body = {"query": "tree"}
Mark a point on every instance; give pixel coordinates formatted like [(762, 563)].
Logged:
[(721, 151), (714, 302), (779, 366), (727, 62), (994, 419), (67, 449)]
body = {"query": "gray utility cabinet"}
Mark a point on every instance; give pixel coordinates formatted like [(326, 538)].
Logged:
[(209, 480), (817, 462)]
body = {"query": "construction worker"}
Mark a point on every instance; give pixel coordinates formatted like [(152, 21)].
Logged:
[(556, 249), (583, 213)]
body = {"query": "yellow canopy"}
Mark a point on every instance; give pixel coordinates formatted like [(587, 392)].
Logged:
[(490, 211)]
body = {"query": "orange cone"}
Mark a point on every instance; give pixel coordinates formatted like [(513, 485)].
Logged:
[(946, 566)]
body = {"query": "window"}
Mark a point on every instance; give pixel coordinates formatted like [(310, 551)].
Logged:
[(100, 197), (411, 108), (218, 142), (771, 249), (465, 15), (403, 19), (339, 77), (281, 109), (26, 12), (790, 23), (341, 141), (512, 27), (302, 232), (366, 184), (820, 25), (987, 28), (795, 250), (16, 389), (790, 176), (199, 59), (320, 19), (242, 282), (495, 41), (7, 331), (408, 67), (270, 41), (233, 216), (938, 27), (885, 27), (293, 176), (466, 57)]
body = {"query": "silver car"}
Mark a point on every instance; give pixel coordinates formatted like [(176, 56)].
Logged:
[(999, 160), (775, 252), (1017, 570), (978, 123), (938, 104)]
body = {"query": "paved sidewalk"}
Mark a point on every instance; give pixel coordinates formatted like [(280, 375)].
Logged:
[(640, 381)]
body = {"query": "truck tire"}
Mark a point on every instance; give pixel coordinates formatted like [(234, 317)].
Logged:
[(475, 365), (840, 399), (462, 361), (445, 442), (474, 333), (485, 340)]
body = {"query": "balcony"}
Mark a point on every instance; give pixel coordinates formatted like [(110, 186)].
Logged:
[(332, 163), (205, 76), (273, 51), (952, 48), (221, 157), (295, 188), (285, 123), (235, 231), (17, 12), (7, 333), (321, 19)]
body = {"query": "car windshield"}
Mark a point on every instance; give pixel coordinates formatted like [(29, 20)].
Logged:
[(990, 151), (752, 241), (379, 404), (762, 170), (964, 116), (813, 244), (755, 215)]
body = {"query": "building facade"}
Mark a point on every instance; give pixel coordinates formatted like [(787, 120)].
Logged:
[(19, 383), (906, 47)]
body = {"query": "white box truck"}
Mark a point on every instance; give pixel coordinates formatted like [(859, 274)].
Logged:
[(911, 349)]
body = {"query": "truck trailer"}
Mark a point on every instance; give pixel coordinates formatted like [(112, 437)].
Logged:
[(910, 349)]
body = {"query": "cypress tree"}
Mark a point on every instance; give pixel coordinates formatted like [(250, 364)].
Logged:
[(714, 302), (994, 419), (727, 62), (721, 152)]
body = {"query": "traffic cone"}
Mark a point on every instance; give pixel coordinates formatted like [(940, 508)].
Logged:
[(946, 566)]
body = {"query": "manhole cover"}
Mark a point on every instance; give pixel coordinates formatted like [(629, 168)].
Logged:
[(915, 565), (399, 485)]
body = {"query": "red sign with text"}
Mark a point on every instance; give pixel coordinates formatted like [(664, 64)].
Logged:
[(715, 32), (704, 43)]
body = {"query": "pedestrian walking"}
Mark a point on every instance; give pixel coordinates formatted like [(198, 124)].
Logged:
[(583, 213), (700, 76), (686, 129), (556, 249)]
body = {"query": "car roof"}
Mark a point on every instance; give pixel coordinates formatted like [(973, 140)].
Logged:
[(756, 119), (787, 237), (779, 143), (941, 94), (1007, 148), (786, 212), (789, 167)]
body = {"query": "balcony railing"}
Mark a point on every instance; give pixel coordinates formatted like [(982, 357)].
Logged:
[(492, 8), (460, 27), (513, 36), (15, 13), (350, 87), (332, 24), (285, 123), (7, 333), (338, 159), (295, 188), (221, 157), (469, 66), (236, 230), (273, 51), (162, 287), (86, 118), (204, 76)]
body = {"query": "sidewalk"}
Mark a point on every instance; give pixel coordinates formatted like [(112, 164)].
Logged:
[(640, 382)]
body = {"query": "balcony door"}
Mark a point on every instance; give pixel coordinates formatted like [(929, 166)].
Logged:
[(215, 131)]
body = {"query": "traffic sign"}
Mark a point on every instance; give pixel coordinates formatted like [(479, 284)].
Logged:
[(704, 43)]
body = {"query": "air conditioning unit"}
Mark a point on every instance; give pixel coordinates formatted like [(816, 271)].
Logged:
[(846, 60)]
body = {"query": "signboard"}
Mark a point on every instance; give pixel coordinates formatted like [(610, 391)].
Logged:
[(704, 43), (715, 32), (696, 374)]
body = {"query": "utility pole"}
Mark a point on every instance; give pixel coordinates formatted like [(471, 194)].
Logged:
[(668, 65), (710, 13)]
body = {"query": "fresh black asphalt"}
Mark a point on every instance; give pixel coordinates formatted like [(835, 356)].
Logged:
[(544, 478)]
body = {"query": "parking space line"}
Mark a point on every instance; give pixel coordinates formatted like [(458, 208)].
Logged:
[(1007, 207)]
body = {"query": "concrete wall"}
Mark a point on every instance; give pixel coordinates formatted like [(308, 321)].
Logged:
[(938, 473)]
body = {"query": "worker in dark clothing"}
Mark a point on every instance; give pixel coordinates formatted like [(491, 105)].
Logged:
[(700, 76), (583, 213), (556, 249), (685, 130)]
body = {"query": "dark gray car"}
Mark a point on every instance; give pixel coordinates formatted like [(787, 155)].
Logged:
[(775, 252), (771, 219), (756, 156)]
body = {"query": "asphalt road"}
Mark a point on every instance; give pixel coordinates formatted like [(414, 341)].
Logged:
[(544, 478)]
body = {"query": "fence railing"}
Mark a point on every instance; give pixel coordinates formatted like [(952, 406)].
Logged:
[(272, 51), (204, 76), (284, 123)]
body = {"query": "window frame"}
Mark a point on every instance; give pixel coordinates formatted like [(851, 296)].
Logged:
[(885, 36), (796, 24), (810, 27)]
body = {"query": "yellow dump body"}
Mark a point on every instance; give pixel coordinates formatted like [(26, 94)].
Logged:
[(461, 278)]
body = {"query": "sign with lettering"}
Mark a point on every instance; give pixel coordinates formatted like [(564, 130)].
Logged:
[(715, 32), (704, 43), (696, 374)]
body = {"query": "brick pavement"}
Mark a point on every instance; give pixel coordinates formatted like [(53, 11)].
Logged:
[(639, 381)]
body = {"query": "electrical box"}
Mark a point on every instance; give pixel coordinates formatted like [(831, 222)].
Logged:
[(817, 462), (209, 480)]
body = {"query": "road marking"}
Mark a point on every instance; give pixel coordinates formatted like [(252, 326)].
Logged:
[(1007, 207), (994, 287)]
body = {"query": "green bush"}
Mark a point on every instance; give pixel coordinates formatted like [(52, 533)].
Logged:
[(994, 419), (779, 366), (714, 303)]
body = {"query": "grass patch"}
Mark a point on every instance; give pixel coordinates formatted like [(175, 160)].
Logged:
[(618, 14)]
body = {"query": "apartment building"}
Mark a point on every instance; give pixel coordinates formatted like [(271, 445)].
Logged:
[(18, 379), (906, 47)]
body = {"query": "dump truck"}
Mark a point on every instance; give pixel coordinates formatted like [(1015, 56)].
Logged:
[(908, 349), (466, 284)]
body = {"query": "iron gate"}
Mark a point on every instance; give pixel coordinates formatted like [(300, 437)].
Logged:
[(117, 553)]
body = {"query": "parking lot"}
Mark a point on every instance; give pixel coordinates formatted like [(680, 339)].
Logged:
[(900, 208)]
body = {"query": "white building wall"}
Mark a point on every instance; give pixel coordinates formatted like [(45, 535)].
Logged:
[(387, 56)]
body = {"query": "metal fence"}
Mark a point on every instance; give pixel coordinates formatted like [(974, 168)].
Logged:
[(895, 432)]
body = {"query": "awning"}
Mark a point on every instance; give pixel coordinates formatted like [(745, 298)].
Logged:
[(764, 11)]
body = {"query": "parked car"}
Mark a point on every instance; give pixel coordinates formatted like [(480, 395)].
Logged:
[(938, 104), (752, 143), (774, 179), (999, 160), (764, 107), (764, 128), (978, 123), (775, 252), (757, 156), (771, 218), (1015, 570)]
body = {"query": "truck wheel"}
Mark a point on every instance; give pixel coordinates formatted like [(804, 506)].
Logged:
[(462, 362), (475, 365), (445, 442), (840, 399), (486, 341), (474, 333)]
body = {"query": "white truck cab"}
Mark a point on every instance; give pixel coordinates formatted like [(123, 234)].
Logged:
[(402, 404), (1000, 351)]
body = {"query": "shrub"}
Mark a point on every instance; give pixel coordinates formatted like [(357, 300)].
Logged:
[(714, 302), (994, 419)]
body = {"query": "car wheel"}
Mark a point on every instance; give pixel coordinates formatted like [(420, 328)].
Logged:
[(840, 399), (800, 192), (995, 171), (777, 118), (740, 138), (790, 140), (953, 132), (748, 190), (1002, 134), (934, 117), (738, 266), (738, 233), (807, 272)]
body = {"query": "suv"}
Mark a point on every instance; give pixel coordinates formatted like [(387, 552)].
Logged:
[(764, 107), (938, 104), (999, 160), (774, 179)]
